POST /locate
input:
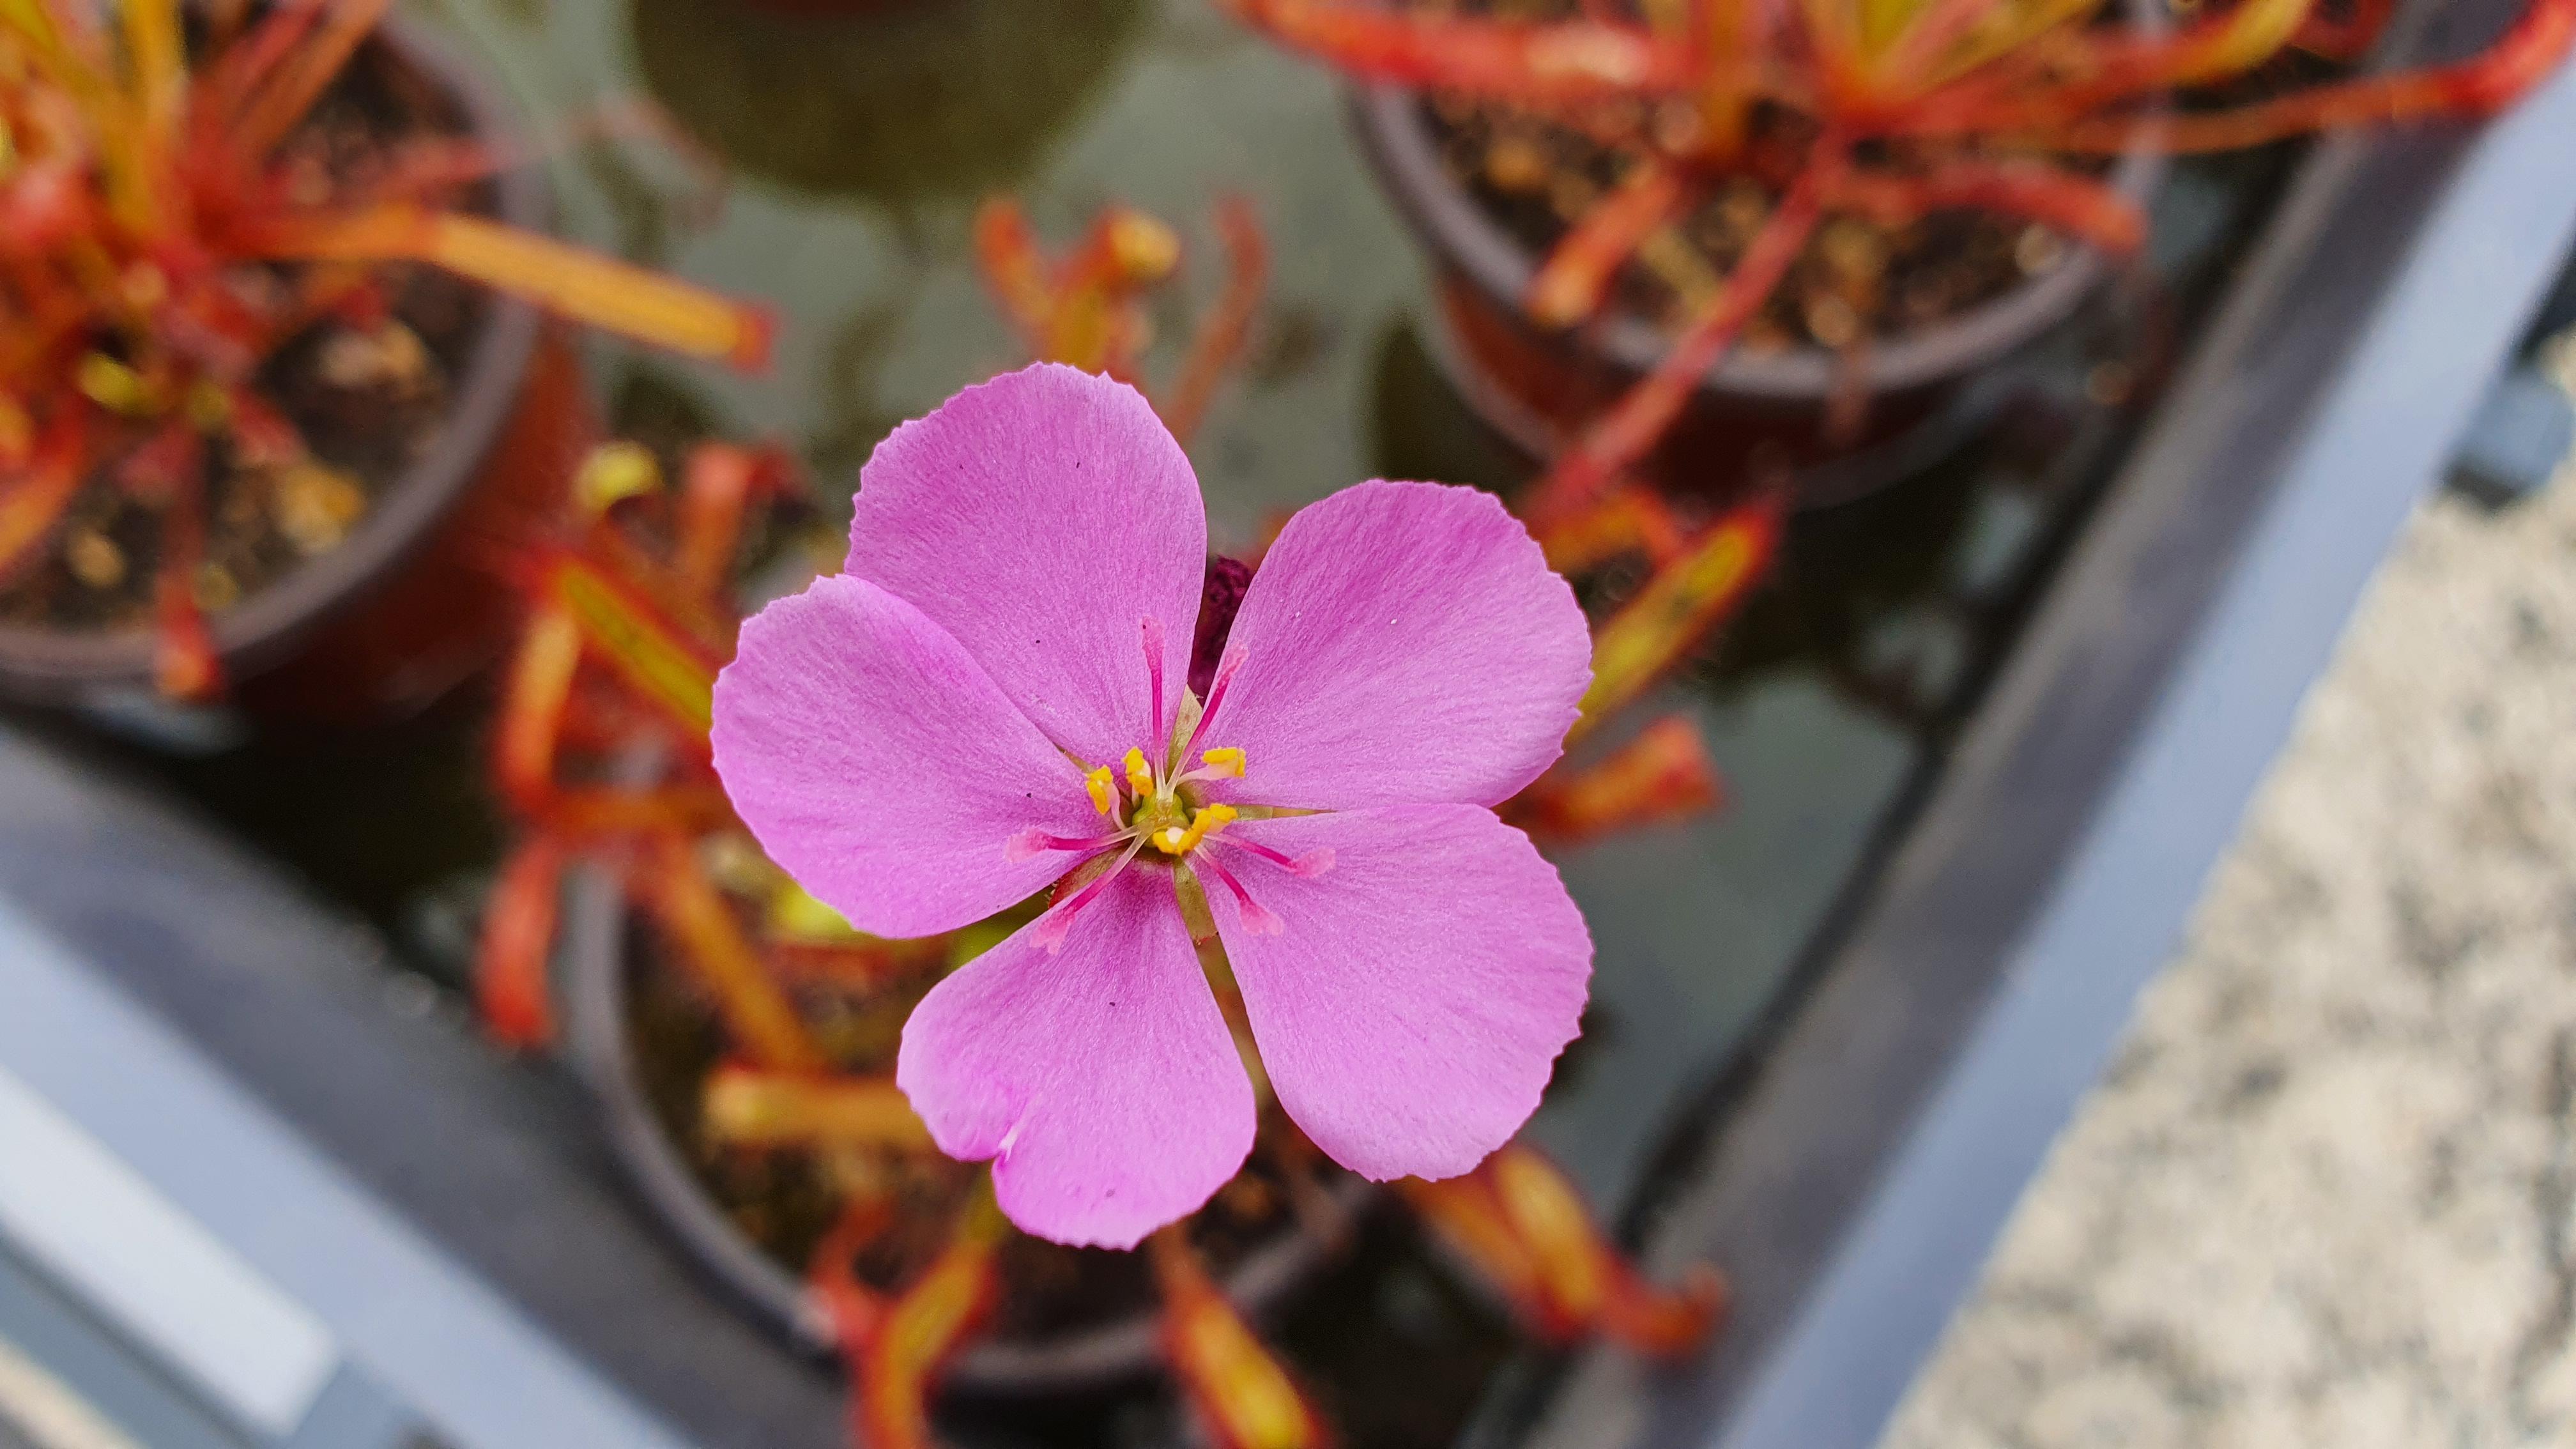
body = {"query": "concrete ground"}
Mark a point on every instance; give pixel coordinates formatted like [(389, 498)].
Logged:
[(2327, 1194)]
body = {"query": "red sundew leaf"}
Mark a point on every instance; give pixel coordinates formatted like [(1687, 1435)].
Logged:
[(1243, 1395), (1678, 607), (2069, 201), (533, 702), (1523, 1227), (1569, 285), (711, 943), (1624, 520), (717, 486), (1013, 268), (1588, 1282), (1532, 64), (658, 659), (1221, 335), (749, 1107), (898, 1359), (1661, 776), (1625, 434), (184, 665), (1467, 1216), (312, 60), (511, 990), (584, 286), (32, 506), (593, 812)]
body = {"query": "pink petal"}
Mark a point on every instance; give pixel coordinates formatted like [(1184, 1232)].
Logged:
[(881, 767), (1040, 518), (1413, 999), (1101, 1079), (1402, 643)]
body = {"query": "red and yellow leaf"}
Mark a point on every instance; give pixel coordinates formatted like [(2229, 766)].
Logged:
[(749, 1107), (1243, 1395)]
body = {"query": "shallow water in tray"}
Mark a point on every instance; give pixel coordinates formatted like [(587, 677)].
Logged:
[(858, 148)]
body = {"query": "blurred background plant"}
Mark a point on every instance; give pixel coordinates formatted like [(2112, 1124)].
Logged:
[(1886, 112), (1758, 168), (207, 218)]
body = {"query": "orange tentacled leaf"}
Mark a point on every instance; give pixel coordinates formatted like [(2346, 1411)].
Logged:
[(154, 48), (2528, 53), (1094, 320), (184, 665), (1574, 61), (2076, 204), (590, 812), (1589, 1283), (1661, 776), (33, 504), (749, 1107), (1016, 271), (1570, 283), (855, 966), (717, 484), (582, 285), (711, 943), (915, 1336), (1221, 336), (1242, 1394), (511, 991), (1678, 607), (532, 708), (661, 661), (302, 73), (1640, 419), (226, 85), (1467, 1216), (1627, 519)]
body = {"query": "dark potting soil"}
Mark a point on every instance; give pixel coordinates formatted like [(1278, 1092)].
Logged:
[(1855, 281), (368, 398)]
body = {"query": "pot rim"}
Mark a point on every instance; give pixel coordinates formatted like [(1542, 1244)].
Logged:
[(70, 666), (1395, 134), (1125, 1349)]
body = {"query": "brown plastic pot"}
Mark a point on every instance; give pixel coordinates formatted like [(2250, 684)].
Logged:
[(597, 961), (1928, 389), (409, 603)]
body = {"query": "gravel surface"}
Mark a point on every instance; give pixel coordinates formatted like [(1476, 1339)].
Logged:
[(2327, 1194)]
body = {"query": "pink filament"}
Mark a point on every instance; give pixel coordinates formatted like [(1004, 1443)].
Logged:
[(1216, 696), (1049, 932), (1256, 917), (1308, 866), (1031, 843)]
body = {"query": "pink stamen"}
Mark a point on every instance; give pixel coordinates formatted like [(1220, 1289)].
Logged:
[(1256, 917), (1031, 843), (1306, 867), (1216, 696), (1154, 670), (1049, 932)]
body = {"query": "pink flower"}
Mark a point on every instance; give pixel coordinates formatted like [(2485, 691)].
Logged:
[(991, 699)]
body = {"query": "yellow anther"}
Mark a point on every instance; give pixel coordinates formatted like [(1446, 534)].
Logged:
[(1225, 761), (1204, 824), (1104, 789), (1176, 840), (1139, 778)]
